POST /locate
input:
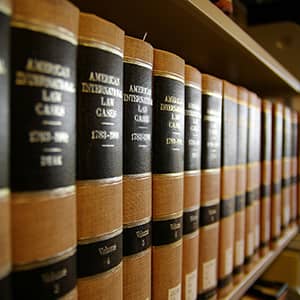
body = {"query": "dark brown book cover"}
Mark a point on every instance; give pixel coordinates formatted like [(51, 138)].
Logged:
[(5, 239), (43, 106), (210, 187), (286, 168), (99, 158), (168, 175), (294, 167), (277, 136), (228, 187), (241, 182), (192, 164), (266, 178), (137, 177)]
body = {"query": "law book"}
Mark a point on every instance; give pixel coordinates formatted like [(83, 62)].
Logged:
[(137, 181), (228, 187), (5, 243), (286, 168), (252, 166), (192, 163), (168, 175), (298, 172), (257, 177), (277, 137), (210, 187), (266, 178), (42, 163), (241, 181), (294, 167), (99, 158)]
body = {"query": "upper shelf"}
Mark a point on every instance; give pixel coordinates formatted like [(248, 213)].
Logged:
[(201, 34)]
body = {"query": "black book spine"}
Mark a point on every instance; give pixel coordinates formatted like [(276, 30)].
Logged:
[(43, 111)]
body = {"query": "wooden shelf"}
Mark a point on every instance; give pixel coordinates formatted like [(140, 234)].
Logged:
[(201, 34), (241, 288)]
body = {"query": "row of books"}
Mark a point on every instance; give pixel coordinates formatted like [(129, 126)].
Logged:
[(126, 173)]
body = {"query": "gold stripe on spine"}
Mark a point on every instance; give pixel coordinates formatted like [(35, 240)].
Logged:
[(5, 9), (232, 99), (179, 174), (168, 75), (192, 172), (138, 62), (210, 202), (89, 42), (102, 237), (193, 85), (141, 175), (45, 262), (42, 27), (169, 217), (4, 193), (102, 180), (103, 274), (213, 171), (137, 223), (209, 93), (192, 208), (53, 194)]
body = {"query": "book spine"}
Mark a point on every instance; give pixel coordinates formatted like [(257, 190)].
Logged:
[(277, 136), (251, 178), (266, 157), (43, 89), (192, 163), (241, 181), (210, 187), (298, 172), (168, 180), (137, 184), (99, 158), (294, 170), (5, 246), (228, 187), (286, 169), (257, 178)]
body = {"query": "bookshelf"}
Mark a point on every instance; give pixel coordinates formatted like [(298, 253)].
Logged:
[(207, 39), (242, 287)]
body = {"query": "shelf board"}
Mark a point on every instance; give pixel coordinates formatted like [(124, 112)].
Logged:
[(200, 33), (241, 288)]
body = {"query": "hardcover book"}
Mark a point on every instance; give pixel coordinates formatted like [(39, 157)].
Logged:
[(43, 105), (228, 187), (286, 168), (257, 178), (241, 181), (277, 137), (192, 164), (5, 242), (294, 167), (266, 178), (137, 181), (99, 158), (252, 173), (168, 179), (210, 187)]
